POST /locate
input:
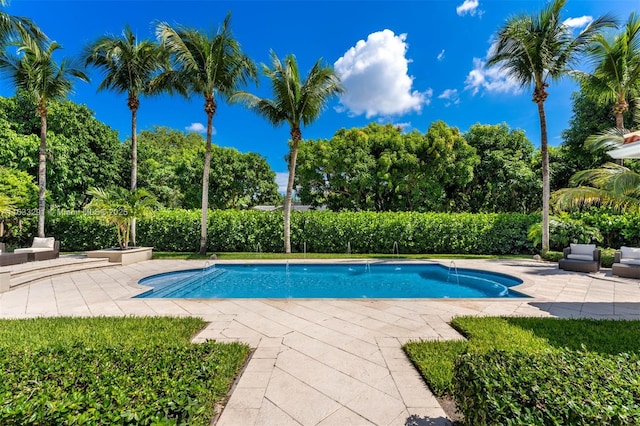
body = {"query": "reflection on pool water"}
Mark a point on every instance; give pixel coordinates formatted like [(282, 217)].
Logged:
[(331, 281)]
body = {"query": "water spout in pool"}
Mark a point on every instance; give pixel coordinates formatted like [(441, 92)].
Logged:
[(367, 267), (396, 250), (453, 266), (204, 270)]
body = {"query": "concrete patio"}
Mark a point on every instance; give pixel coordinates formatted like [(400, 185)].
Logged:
[(328, 361)]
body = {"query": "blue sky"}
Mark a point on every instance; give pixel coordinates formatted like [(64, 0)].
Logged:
[(402, 62)]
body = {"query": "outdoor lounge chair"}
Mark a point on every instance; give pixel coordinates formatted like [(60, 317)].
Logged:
[(7, 259), (626, 262), (580, 258), (41, 249)]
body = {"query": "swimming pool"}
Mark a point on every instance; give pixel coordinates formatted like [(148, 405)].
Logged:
[(330, 281)]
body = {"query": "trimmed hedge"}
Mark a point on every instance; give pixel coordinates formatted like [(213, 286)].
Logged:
[(329, 232), (323, 232), (74, 384), (552, 388)]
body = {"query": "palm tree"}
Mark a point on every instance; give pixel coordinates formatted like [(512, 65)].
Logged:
[(616, 76), (12, 27), (129, 66), (35, 72), (296, 102), (533, 50), (207, 65), (120, 207), (612, 186)]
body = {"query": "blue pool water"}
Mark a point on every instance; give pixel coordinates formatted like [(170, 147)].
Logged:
[(330, 281)]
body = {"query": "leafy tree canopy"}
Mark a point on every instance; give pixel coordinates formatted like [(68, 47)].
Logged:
[(380, 168), (82, 151), (505, 179), (171, 167)]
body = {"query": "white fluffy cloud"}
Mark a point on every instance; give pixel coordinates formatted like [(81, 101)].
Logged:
[(441, 55), (451, 96), (375, 75), (468, 7), (580, 22), (492, 80), (198, 128)]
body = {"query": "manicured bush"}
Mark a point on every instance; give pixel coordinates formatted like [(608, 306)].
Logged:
[(174, 384), (554, 388), (98, 371), (331, 232), (323, 232), (80, 232), (435, 359)]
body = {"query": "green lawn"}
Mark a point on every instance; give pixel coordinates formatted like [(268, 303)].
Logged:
[(434, 359), (112, 371)]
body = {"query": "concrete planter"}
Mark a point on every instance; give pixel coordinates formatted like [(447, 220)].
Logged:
[(125, 257)]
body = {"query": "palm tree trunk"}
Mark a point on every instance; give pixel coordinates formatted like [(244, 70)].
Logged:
[(205, 186), (619, 113), (620, 120), (42, 173), (134, 164), (295, 138), (544, 150)]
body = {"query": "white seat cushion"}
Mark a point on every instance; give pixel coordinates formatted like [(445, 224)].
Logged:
[(580, 256), (32, 250), (583, 249), (629, 252), (628, 261), (46, 243)]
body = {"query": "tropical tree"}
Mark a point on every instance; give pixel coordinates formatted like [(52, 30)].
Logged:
[(120, 207), (128, 65), (35, 72), (76, 142), (616, 76), (612, 186), (534, 49), (18, 193), (296, 102), (505, 179), (12, 27), (209, 65)]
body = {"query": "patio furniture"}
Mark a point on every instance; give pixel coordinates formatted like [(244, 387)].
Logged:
[(41, 249), (580, 258), (7, 259), (626, 262)]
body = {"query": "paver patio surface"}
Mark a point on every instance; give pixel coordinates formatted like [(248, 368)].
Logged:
[(327, 361)]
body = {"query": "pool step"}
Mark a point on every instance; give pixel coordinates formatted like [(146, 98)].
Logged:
[(27, 273), (196, 280)]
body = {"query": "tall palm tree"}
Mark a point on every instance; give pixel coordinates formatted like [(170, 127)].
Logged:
[(611, 185), (296, 102), (36, 73), (128, 65), (616, 76), (208, 65), (534, 49)]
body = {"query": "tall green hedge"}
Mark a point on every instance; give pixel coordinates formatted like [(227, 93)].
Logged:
[(322, 232)]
